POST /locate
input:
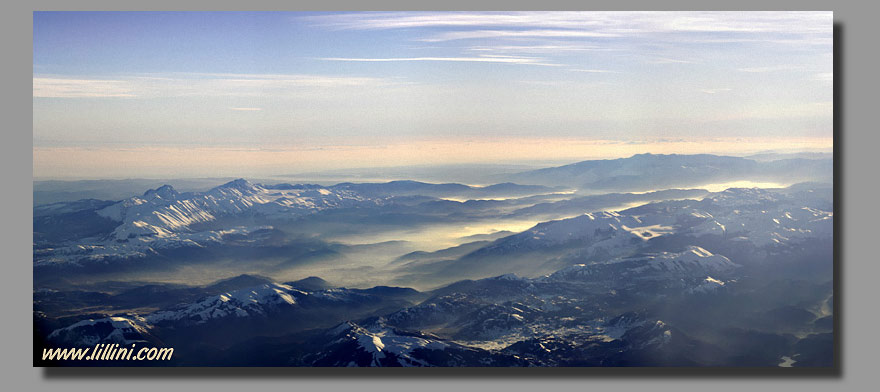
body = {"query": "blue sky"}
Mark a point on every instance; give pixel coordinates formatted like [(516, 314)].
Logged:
[(326, 90)]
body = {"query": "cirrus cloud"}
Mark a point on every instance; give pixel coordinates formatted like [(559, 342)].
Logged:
[(194, 84)]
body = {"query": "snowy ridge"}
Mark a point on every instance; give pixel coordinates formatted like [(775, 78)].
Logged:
[(437, 312), (163, 211), (122, 330), (239, 303), (685, 263), (617, 326), (601, 230), (256, 303), (580, 228), (136, 247), (163, 218), (771, 226), (637, 329), (708, 285), (742, 197), (382, 342), (760, 216), (694, 261)]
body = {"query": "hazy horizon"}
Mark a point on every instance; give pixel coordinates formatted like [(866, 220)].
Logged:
[(186, 163)]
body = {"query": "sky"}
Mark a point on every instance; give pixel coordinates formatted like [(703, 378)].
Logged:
[(195, 94)]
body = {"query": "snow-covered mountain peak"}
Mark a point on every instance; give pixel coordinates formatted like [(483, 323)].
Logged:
[(122, 330), (579, 228), (242, 185), (510, 276), (694, 261), (246, 302), (164, 192), (734, 197), (164, 218), (693, 258), (265, 293), (383, 344), (708, 285), (698, 251)]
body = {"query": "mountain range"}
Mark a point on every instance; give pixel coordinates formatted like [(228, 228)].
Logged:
[(598, 263)]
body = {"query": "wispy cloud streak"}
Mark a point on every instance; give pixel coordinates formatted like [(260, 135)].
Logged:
[(593, 70), (193, 84), (610, 22), (483, 34), (773, 68), (556, 48), (481, 59), (82, 88)]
